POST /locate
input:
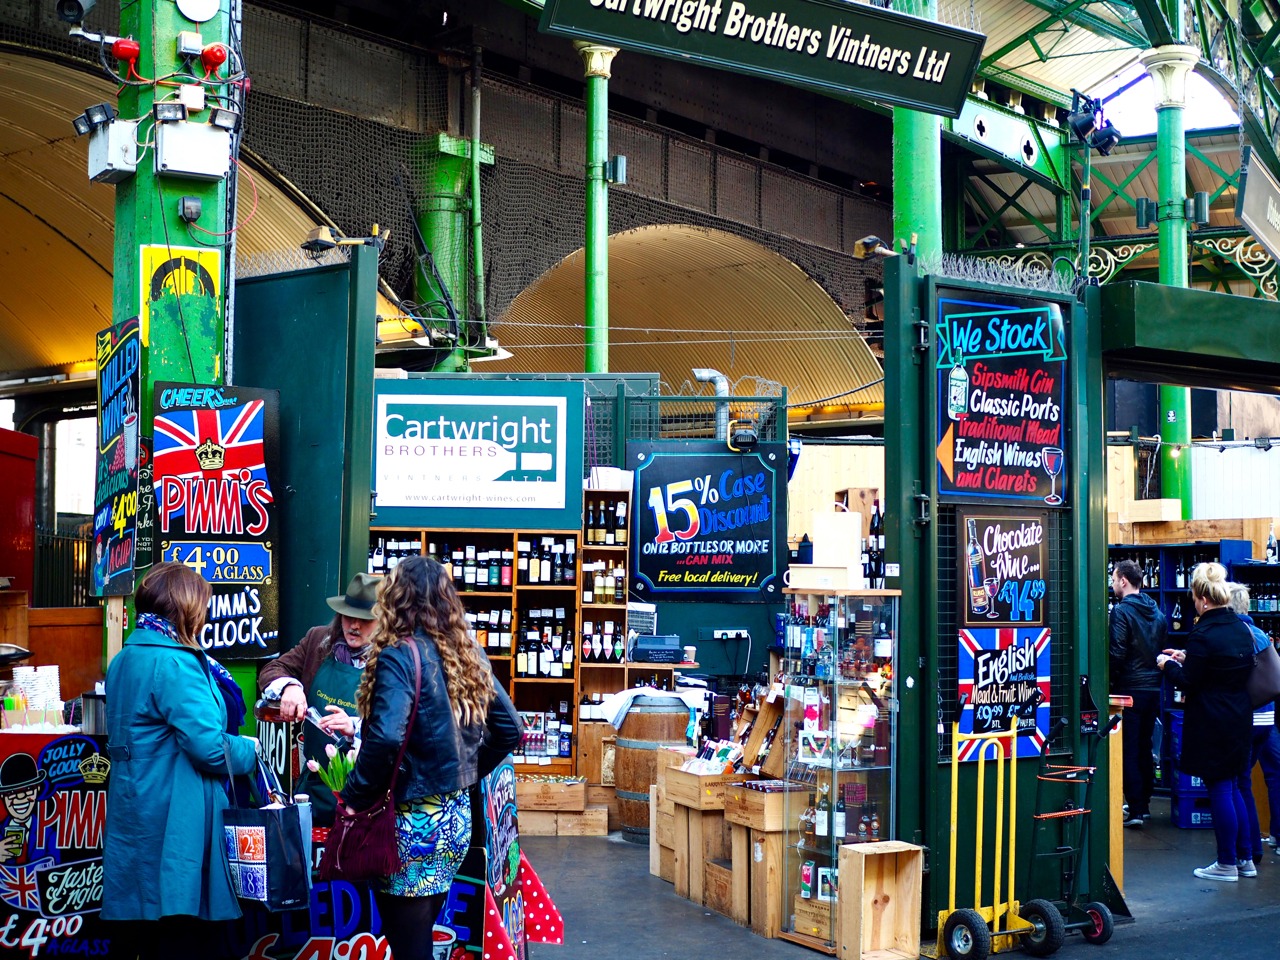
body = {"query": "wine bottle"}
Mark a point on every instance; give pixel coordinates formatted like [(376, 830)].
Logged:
[(591, 522), (620, 524), (546, 566), (838, 820), (522, 658), (1176, 616), (823, 826), (570, 572), (619, 586)]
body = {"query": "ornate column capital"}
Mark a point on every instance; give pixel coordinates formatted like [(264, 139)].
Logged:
[(596, 58), (1168, 67)]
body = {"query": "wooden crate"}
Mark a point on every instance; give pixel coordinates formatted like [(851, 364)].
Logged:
[(661, 841), (879, 906), (751, 808), (665, 804), (606, 797), (740, 882), (591, 822), (766, 880), (665, 830), (591, 737), (535, 795), (813, 918), (537, 823), (700, 791), (769, 714), (717, 886), (700, 835)]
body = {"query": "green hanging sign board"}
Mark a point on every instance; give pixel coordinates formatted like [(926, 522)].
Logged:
[(838, 47)]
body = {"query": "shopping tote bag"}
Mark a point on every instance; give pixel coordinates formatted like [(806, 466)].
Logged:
[(269, 851)]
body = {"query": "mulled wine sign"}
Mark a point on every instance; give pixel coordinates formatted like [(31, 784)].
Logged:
[(1001, 371), (215, 453), (115, 498), (710, 522), (1002, 567)]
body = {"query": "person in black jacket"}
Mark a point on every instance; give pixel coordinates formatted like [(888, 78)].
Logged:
[(463, 727), (1138, 634), (1217, 725)]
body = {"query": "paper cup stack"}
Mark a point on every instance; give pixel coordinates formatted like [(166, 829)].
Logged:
[(42, 686)]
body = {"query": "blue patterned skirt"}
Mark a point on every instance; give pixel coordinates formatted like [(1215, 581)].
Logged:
[(432, 834)]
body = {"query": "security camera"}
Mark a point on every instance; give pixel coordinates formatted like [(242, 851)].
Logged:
[(74, 11)]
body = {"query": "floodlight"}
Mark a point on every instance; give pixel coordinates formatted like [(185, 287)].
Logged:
[(225, 118), (1083, 122), (1105, 138), (319, 239), (871, 246), (169, 111), (81, 124), (99, 114)]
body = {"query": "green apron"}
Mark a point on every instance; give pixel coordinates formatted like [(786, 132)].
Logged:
[(334, 683)]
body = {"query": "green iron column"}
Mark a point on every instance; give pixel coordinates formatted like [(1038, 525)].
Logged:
[(596, 61), (917, 167), (1169, 67)]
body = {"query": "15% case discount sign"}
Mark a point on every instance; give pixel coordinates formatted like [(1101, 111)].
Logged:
[(708, 520)]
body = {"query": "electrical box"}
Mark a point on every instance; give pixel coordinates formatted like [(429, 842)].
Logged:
[(194, 150), (113, 151)]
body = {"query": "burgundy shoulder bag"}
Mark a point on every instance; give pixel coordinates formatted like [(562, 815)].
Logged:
[(362, 845)]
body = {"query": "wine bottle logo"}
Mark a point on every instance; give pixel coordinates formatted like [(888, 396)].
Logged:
[(958, 390)]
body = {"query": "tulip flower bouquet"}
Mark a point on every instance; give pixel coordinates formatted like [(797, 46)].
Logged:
[(337, 766)]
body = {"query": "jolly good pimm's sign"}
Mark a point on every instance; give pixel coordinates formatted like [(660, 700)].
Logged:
[(478, 453), (840, 47)]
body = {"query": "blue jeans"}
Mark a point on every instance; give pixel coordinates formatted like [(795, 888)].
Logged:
[(1268, 754), (1230, 821), (1245, 783)]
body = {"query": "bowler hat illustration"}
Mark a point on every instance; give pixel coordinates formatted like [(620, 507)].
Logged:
[(18, 772)]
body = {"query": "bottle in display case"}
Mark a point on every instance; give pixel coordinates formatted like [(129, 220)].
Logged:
[(836, 746)]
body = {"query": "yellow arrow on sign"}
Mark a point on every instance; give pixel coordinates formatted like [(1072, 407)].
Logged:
[(946, 453)]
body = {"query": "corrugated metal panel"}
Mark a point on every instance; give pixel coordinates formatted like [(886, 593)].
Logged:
[(57, 229), (683, 297), (1236, 482)]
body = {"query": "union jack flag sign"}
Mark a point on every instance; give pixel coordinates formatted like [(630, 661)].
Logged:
[(18, 886), (225, 444), (1000, 672)]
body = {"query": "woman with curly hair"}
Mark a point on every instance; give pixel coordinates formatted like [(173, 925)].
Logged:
[(463, 727)]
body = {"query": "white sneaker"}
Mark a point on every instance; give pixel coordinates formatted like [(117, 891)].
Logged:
[(1247, 869), (1216, 871)]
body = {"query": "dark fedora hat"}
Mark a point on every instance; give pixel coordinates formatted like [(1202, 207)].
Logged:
[(18, 772), (357, 602)]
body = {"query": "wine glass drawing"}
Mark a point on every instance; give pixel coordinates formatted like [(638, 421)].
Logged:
[(1053, 467), (992, 586)]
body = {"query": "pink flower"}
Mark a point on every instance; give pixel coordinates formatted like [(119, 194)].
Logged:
[(330, 750), (313, 766)]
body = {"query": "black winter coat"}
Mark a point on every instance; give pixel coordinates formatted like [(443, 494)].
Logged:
[(1218, 722), (1138, 633), (441, 756)]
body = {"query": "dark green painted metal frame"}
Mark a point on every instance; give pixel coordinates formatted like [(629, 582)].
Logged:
[(910, 390)]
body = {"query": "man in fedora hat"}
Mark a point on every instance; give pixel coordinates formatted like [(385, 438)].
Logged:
[(20, 781), (323, 671)]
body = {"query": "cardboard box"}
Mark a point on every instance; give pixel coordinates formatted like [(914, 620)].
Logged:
[(751, 808), (556, 795)]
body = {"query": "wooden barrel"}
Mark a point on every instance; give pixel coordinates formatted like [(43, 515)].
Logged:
[(652, 722)]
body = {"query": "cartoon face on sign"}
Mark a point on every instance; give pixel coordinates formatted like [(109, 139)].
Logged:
[(20, 782)]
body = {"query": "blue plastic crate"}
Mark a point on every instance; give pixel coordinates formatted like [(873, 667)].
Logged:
[(1173, 734), (1191, 813), (1185, 785)]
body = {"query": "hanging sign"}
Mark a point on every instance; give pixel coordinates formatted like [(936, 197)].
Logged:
[(471, 453), (1258, 202), (115, 499), (1001, 383), (1004, 673), (1002, 568), (710, 523), (215, 452), (838, 47)]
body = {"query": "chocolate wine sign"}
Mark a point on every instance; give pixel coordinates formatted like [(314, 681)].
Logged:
[(1001, 368)]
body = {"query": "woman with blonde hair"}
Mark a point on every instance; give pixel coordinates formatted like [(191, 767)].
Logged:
[(463, 726), (164, 862), (1213, 670)]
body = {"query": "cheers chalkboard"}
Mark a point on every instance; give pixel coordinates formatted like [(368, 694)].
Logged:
[(1001, 368)]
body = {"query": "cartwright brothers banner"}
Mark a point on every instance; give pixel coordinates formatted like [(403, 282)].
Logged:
[(838, 47)]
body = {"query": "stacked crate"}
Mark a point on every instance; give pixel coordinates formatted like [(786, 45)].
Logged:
[(1189, 805)]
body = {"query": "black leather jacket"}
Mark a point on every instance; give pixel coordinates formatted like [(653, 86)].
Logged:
[(441, 756), (1138, 633)]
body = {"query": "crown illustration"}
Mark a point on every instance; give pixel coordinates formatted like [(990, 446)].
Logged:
[(94, 768), (210, 455)]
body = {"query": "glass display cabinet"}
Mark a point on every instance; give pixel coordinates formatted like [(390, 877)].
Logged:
[(839, 745)]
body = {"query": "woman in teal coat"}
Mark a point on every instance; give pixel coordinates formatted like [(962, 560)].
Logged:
[(163, 854)]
